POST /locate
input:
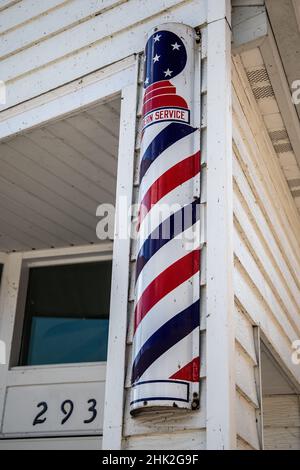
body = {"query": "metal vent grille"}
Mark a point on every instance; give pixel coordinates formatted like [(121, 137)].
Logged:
[(296, 193), (259, 75), (262, 89), (260, 83), (294, 183), (276, 136), (283, 148), (263, 92)]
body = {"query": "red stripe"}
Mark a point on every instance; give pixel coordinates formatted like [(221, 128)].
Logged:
[(190, 372), (170, 90), (164, 101), (160, 84), (175, 176), (168, 280)]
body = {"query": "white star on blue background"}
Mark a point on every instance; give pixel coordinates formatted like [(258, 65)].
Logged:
[(165, 55)]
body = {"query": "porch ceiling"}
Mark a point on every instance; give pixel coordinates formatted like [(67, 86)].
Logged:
[(284, 16), (274, 381), (53, 178)]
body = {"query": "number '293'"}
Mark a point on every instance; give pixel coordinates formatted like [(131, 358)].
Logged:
[(67, 408)]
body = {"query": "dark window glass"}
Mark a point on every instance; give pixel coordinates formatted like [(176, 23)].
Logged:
[(67, 314)]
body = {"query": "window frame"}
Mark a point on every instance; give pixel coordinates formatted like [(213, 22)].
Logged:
[(19, 277), (49, 260)]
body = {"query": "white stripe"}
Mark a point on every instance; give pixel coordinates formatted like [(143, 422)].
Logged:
[(178, 152), (144, 391), (175, 249), (168, 307), (150, 133), (172, 360), (172, 202)]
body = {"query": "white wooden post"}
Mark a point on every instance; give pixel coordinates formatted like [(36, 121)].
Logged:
[(3, 355), (8, 304), (3, 258), (116, 360), (221, 433)]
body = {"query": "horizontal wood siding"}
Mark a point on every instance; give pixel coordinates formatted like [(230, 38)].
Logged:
[(63, 443), (248, 396), (267, 256), (282, 422), (187, 440), (47, 44)]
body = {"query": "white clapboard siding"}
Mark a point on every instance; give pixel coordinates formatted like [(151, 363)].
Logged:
[(264, 167), (23, 34), (282, 411), (243, 445), (178, 429), (264, 260), (252, 303), (282, 438), (267, 259), (282, 422), (24, 11), (244, 333), (248, 390), (246, 422), (63, 443), (187, 440), (245, 376), (86, 39), (264, 231), (7, 3), (246, 258)]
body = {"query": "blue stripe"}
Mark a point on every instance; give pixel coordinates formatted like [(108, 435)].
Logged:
[(166, 231), (163, 339), (169, 381), (184, 400), (167, 137)]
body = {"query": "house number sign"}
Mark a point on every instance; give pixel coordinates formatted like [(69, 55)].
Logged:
[(55, 409)]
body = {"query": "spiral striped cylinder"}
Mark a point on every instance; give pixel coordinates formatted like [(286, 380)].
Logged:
[(165, 371)]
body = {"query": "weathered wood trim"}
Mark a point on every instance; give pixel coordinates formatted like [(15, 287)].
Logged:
[(221, 425), (67, 99), (116, 360), (249, 26), (93, 50), (282, 90), (258, 384)]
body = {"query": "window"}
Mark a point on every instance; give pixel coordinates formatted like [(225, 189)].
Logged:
[(67, 314)]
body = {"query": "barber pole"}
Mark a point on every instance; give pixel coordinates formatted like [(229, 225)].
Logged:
[(166, 362)]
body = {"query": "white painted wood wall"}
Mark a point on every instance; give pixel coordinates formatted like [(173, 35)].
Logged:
[(282, 422), (62, 443), (46, 44), (267, 257)]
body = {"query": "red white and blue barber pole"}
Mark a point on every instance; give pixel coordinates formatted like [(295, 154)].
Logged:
[(166, 363)]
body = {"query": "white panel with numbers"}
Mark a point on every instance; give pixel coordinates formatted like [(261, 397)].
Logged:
[(54, 409)]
